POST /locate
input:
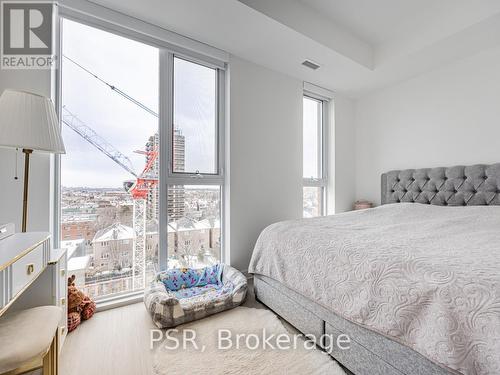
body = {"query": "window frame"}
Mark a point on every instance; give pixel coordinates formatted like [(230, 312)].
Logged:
[(122, 26), (322, 181), (170, 177), (219, 156)]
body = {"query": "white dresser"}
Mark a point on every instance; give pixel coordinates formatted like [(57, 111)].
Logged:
[(32, 274)]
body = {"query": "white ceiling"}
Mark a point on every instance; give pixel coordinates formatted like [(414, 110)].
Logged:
[(375, 21), (361, 45), (394, 27)]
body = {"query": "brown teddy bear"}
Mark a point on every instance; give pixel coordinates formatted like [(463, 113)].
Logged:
[(80, 306)]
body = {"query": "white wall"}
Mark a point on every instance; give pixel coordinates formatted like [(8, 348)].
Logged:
[(11, 191), (265, 154), (446, 117), (342, 156), (265, 169)]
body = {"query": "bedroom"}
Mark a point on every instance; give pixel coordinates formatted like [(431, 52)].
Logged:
[(254, 116)]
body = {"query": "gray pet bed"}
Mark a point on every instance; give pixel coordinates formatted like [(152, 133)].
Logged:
[(169, 308)]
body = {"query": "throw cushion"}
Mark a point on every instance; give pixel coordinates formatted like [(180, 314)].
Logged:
[(182, 278)]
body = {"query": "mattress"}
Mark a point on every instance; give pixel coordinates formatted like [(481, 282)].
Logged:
[(368, 352), (423, 276)]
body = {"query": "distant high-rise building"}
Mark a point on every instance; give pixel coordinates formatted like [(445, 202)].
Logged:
[(153, 204), (176, 195), (179, 151)]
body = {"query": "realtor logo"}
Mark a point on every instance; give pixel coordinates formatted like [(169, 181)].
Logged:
[(26, 35)]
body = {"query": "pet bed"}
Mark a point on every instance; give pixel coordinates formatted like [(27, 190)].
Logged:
[(181, 295)]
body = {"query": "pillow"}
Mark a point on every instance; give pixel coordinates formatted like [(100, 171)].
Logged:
[(180, 278), (211, 275)]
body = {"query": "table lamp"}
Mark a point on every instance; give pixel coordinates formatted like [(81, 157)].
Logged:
[(28, 121)]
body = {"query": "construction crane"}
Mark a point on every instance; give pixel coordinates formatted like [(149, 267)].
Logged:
[(146, 180), (139, 189), (87, 133), (113, 87)]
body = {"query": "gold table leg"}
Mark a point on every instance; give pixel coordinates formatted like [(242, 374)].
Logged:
[(51, 359)]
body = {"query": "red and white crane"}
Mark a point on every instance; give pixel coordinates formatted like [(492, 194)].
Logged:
[(145, 181)]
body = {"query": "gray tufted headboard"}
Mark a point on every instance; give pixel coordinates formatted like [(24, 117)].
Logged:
[(475, 185)]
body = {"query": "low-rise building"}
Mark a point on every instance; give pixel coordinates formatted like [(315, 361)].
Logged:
[(113, 248), (78, 227)]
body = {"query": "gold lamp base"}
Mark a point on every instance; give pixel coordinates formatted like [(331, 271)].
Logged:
[(27, 153)]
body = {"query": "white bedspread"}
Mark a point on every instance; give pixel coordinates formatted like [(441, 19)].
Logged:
[(425, 276)]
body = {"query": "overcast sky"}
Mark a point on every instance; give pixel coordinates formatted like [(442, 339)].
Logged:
[(311, 117), (134, 68)]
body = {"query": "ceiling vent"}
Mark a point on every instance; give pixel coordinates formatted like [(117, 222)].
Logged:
[(310, 64)]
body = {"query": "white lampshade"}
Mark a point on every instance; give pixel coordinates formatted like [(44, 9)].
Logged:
[(29, 121)]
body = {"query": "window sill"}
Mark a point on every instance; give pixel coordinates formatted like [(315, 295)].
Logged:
[(119, 301)]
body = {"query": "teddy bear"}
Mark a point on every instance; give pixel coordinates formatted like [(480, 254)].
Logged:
[(80, 306)]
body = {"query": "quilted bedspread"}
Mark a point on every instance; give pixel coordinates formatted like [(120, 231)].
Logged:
[(426, 276)]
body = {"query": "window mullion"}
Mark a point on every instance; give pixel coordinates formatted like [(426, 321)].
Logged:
[(194, 180), (165, 130), (221, 111), (314, 182), (320, 140)]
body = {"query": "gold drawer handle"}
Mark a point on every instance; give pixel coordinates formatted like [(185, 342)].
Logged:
[(30, 268), (63, 301), (63, 272)]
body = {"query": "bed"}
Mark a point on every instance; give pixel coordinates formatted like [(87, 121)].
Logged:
[(414, 282)]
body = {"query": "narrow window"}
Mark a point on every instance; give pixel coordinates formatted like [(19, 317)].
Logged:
[(314, 171)]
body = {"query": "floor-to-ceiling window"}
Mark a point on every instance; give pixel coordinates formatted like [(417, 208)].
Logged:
[(195, 179), (314, 163), (133, 162)]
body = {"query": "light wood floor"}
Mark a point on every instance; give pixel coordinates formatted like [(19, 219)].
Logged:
[(114, 342)]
